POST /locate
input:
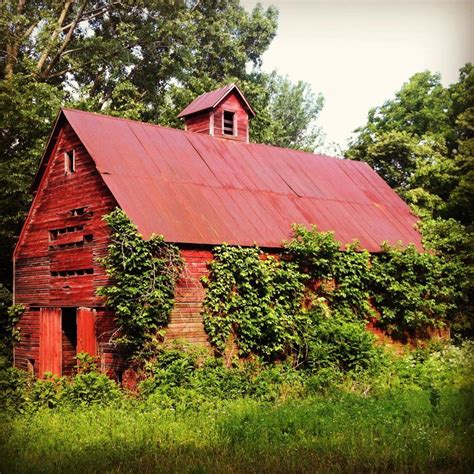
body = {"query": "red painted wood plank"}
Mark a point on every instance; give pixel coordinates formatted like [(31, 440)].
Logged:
[(50, 341), (86, 340)]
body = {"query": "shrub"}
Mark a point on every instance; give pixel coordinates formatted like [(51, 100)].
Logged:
[(47, 392), (14, 387), (90, 389), (334, 340), (411, 290), (170, 365)]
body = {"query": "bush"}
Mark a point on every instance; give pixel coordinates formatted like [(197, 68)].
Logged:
[(90, 389), (412, 290), (337, 341), (48, 392), (170, 365), (14, 387), (19, 392)]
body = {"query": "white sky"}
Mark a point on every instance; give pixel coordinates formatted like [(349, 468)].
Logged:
[(358, 53)]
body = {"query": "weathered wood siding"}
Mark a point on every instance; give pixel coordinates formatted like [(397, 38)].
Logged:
[(56, 258), (186, 319), (210, 123), (56, 267), (199, 123), (232, 103)]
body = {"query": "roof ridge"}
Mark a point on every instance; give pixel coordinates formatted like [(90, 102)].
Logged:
[(179, 130)]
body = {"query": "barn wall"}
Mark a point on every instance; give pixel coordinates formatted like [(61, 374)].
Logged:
[(42, 258), (56, 258), (186, 319)]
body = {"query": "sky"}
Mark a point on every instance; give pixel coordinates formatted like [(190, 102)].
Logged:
[(358, 53)]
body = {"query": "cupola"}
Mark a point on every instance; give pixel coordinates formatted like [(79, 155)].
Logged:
[(223, 113)]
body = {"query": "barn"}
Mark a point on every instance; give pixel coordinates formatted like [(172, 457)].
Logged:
[(198, 188)]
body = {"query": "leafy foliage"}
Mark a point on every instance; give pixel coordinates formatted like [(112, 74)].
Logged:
[(15, 385), (9, 335), (28, 110), (421, 142), (412, 290), (334, 340), (341, 278), (453, 243), (144, 275), (91, 388), (312, 303), (286, 112), (254, 298)]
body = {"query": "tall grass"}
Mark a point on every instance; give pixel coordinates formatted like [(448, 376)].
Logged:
[(399, 431)]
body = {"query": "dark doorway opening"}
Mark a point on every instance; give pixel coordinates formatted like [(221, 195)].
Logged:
[(69, 339)]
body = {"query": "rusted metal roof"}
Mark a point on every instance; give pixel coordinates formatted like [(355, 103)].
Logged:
[(194, 188), (212, 99)]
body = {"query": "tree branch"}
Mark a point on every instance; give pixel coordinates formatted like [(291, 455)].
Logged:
[(67, 38), (94, 13), (55, 34), (13, 46)]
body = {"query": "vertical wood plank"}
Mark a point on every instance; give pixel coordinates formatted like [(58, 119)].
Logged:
[(86, 340), (50, 341)]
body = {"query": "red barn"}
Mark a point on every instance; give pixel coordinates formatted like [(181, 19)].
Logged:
[(200, 187)]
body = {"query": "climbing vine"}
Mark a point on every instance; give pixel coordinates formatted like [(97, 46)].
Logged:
[(144, 274), (412, 290), (341, 278), (310, 302), (254, 297), (314, 294)]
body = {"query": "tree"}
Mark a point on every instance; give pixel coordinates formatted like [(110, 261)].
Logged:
[(421, 144), (289, 113)]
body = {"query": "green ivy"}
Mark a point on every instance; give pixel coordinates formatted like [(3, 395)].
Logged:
[(315, 298), (254, 297), (412, 290), (9, 334), (342, 278), (144, 275)]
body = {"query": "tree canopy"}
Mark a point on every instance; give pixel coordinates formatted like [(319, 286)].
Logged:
[(421, 142)]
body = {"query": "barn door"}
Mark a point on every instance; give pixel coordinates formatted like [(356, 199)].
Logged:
[(86, 331), (50, 341)]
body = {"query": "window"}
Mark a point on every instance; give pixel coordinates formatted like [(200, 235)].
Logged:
[(66, 273), (69, 162), (228, 126), (53, 234), (78, 211)]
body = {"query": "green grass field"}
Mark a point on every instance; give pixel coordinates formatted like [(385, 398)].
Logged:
[(399, 431)]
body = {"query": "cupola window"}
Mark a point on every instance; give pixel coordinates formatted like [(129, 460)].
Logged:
[(228, 125)]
